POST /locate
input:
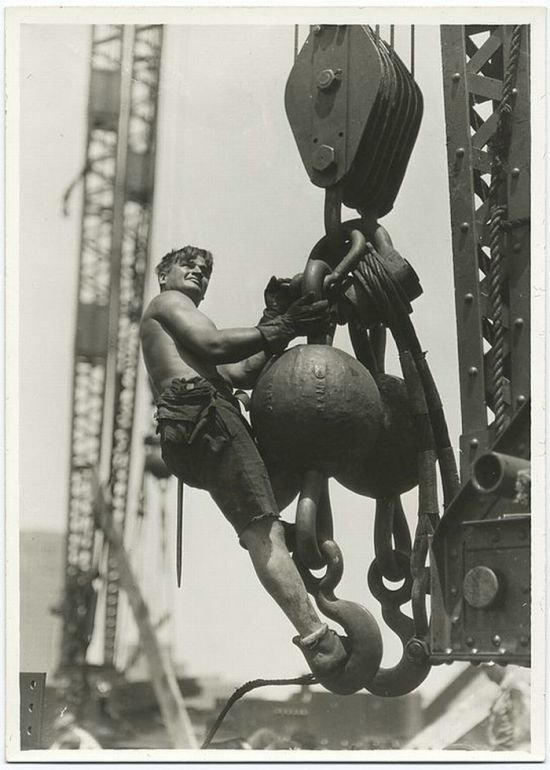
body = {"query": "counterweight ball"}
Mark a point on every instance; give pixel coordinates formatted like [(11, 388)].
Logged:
[(392, 469), (316, 407)]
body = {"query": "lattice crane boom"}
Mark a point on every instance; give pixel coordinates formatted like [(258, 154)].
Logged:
[(116, 222)]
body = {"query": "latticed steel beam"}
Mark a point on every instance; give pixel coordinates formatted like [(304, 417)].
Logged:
[(132, 269), (90, 347), (116, 217), (488, 145)]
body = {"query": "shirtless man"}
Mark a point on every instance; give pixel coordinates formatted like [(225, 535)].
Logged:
[(205, 441)]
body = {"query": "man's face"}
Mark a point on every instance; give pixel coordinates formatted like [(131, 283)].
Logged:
[(191, 279)]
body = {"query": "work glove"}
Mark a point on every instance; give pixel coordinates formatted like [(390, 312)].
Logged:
[(278, 296), (304, 316)]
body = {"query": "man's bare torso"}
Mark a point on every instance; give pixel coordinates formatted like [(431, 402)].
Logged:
[(164, 359)]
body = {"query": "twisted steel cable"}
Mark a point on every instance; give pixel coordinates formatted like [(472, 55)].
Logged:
[(497, 218), (495, 297), (511, 71)]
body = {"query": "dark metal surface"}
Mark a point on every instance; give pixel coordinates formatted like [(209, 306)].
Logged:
[(473, 75), (355, 112), (498, 473), (32, 687), (476, 616), (480, 554), (392, 468), (326, 139), (315, 407)]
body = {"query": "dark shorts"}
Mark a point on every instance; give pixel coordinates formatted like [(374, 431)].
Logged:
[(207, 443)]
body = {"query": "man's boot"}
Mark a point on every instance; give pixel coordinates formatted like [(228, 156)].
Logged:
[(324, 651)]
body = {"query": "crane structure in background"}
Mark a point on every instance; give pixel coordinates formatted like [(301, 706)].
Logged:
[(481, 551), (118, 179), (479, 563)]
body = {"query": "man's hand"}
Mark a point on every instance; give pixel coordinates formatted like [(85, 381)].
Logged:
[(303, 316), (308, 315), (277, 296)]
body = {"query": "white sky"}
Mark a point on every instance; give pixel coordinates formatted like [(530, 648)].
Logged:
[(229, 178)]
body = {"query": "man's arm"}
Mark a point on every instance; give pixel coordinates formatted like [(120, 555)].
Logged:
[(278, 296), (245, 373), (195, 332)]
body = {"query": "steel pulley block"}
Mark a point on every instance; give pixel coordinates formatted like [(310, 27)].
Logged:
[(337, 75), (355, 112)]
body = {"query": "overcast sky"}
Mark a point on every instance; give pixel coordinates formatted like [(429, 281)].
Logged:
[(229, 178)]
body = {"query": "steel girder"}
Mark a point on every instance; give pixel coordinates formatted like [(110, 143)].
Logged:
[(480, 553), (116, 217), (474, 69)]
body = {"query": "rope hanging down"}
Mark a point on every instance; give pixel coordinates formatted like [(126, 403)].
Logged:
[(243, 690)]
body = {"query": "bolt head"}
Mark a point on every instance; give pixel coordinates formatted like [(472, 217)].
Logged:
[(470, 641), (518, 323), (316, 29), (474, 443), (464, 227), (326, 78), (456, 77), (521, 399), (515, 172), (417, 650), (472, 371), (496, 640), (323, 158), (460, 152), (469, 298), (480, 587)]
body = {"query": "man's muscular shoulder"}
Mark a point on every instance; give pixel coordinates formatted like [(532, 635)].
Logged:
[(169, 302)]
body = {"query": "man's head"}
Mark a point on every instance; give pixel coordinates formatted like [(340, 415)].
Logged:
[(187, 270)]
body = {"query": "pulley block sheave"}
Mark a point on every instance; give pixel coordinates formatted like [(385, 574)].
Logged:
[(355, 112)]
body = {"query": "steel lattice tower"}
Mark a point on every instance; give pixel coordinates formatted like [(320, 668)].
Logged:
[(116, 221), (483, 67)]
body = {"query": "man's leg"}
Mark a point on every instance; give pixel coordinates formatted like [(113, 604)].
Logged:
[(265, 541)]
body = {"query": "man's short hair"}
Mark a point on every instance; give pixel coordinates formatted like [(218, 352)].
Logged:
[(183, 257)]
